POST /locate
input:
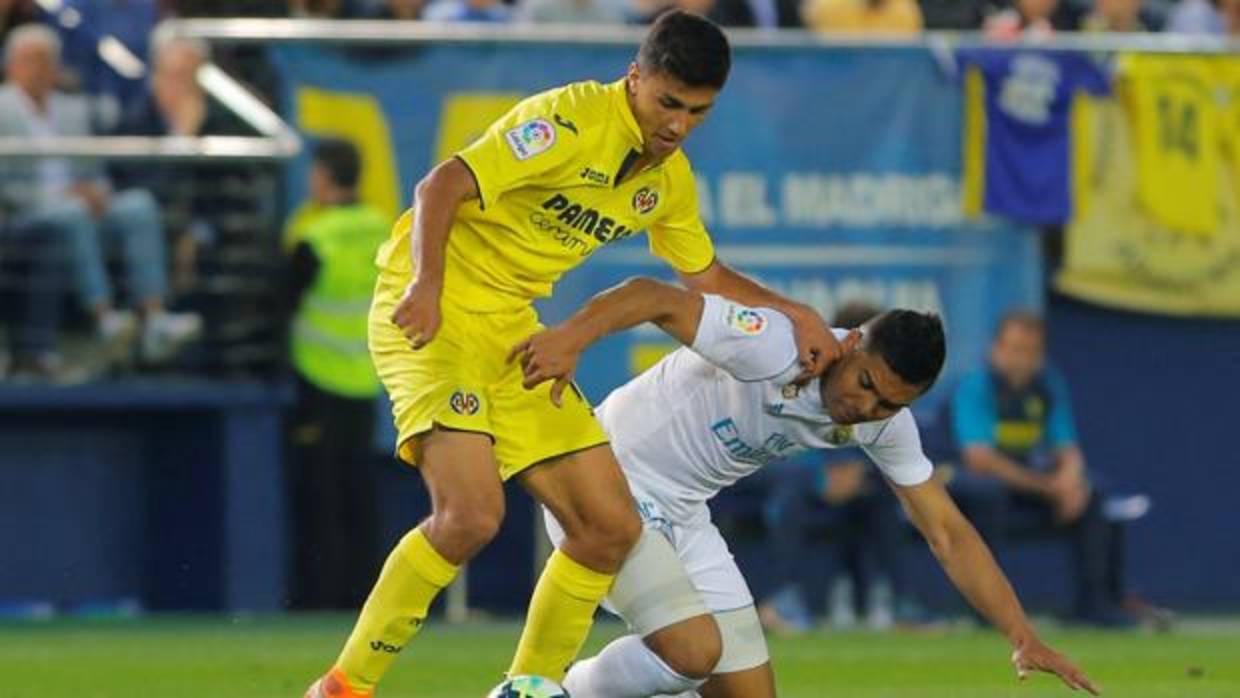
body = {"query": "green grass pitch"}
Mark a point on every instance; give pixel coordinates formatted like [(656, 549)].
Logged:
[(278, 656)]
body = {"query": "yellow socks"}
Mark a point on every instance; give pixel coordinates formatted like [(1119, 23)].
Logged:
[(560, 615), (411, 579)]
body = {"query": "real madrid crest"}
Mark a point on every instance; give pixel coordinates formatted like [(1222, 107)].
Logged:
[(839, 435), (790, 391)]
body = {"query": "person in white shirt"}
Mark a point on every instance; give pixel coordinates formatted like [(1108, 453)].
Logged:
[(719, 409)]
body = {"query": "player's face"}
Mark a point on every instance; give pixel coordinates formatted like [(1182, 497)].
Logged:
[(861, 387), (666, 109)]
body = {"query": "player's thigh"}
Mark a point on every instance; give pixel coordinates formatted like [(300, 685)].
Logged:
[(758, 682), (459, 469), (586, 493)]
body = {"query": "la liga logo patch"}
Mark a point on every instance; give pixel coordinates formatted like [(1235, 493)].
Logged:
[(645, 200), (530, 138), (747, 321), (464, 403)]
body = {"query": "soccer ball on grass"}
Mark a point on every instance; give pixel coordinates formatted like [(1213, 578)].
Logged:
[(528, 687)]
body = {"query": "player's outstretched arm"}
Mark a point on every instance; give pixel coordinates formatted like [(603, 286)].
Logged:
[(435, 202), (553, 353), (817, 347), (971, 567)]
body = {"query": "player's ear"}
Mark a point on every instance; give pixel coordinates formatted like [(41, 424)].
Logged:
[(631, 78), (851, 341)]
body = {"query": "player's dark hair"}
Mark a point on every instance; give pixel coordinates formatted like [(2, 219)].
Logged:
[(854, 314), (687, 47), (910, 343), (341, 160)]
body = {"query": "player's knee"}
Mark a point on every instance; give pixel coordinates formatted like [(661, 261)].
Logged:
[(692, 649), (602, 539), (465, 529), (613, 538)]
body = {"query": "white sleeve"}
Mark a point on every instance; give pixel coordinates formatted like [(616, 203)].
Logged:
[(751, 344), (896, 451)]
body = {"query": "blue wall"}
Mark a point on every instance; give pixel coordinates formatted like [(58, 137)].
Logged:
[(1156, 407)]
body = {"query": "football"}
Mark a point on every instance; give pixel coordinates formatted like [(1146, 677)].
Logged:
[(528, 687)]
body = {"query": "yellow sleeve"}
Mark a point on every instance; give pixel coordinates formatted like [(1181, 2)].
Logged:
[(679, 236), (525, 144)]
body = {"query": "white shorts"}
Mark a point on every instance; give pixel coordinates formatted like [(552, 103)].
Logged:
[(700, 547)]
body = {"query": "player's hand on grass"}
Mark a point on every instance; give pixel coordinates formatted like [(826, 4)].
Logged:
[(417, 314), (817, 347), (1033, 655), (550, 355)]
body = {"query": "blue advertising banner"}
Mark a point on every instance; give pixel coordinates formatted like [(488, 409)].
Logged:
[(830, 173)]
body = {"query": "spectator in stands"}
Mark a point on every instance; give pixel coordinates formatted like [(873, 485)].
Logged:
[(318, 9), (863, 16), (1024, 18), (190, 195), (1114, 16), (1205, 17), (332, 276), (847, 495), (953, 14), (468, 11), (1022, 466), (571, 12), (73, 200), (403, 9)]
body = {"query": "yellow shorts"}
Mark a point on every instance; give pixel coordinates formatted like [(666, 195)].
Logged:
[(461, 380)]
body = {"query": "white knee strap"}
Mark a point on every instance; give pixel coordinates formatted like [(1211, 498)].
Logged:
[(652, 589), (744, 645)]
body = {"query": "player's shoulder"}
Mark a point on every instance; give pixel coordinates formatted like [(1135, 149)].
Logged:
[(897, 428), (750, 343), (573, 106)]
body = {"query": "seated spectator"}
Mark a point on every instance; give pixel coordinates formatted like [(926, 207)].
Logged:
[(1013, 424), (189, 194), (1024, 18), (571, 12), (1204, 17), (73, 201), (318, 9), (863, 16), (953, 14), (468, 11), (401, 9), (1114, 16), (860, 510)]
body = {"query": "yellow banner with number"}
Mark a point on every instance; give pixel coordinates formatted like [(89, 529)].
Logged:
[(1158, 211)]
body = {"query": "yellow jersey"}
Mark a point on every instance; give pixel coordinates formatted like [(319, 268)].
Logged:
[(1172, 101), (554, 186)]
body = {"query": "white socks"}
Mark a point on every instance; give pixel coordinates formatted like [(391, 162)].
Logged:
[(626, 668)]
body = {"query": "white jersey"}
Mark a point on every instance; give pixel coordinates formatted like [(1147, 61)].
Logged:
[(708, 415)]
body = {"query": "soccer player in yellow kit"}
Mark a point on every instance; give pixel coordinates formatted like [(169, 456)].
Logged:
[(562, 174)]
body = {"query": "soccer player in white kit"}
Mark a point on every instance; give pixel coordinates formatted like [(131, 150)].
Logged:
[(718, 409)]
